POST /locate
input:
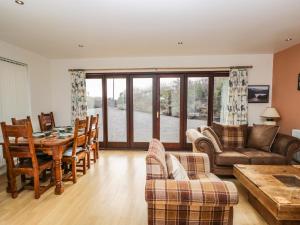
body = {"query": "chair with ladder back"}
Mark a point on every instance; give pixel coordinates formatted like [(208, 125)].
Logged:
[(93, 143), (78, 151), (28, 163), (46, 121)]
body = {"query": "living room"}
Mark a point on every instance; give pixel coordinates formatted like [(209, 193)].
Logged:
[(142, 70)]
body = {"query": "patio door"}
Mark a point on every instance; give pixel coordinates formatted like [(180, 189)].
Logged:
[(142, 110), (169, 114), (136, 107)]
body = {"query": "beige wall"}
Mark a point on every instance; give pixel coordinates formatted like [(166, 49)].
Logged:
[(61, 88), (39, 76), (286, 97)]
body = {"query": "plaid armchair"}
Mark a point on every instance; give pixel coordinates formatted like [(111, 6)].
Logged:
[(204, 199)]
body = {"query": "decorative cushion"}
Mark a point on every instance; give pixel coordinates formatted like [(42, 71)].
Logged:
[(68, 152), (175, 169), (262, 136), (208, 132), (231, 136), (218, 129)]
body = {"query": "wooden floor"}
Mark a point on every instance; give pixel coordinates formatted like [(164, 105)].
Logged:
[(111, 193)]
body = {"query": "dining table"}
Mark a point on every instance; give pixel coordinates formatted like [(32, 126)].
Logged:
[(54, 146)]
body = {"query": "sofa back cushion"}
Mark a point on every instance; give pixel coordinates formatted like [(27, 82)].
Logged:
[(175, 170), (231, 136), (262, 137), (209, 133), (156, 167)]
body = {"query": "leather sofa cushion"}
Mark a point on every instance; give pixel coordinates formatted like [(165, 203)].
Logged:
[(257, 157), (228, 158), (262, 137)]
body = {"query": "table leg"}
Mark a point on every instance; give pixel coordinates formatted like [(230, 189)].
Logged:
[(57, 155)]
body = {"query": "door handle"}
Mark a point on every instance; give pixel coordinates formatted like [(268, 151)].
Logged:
[(157, 114)]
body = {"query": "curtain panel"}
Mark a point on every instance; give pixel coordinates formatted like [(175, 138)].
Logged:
[(78, 95), (237, 106)]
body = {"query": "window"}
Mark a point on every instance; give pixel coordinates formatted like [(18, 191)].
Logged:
[(94, 101), (220, 98), (14, 94)]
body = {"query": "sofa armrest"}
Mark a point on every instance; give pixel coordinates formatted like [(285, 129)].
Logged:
[(191, 192), (286, 145), (292, 149), (201, 144), (193, 163)]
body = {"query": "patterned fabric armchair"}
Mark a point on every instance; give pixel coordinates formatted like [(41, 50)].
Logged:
[(204, 199)]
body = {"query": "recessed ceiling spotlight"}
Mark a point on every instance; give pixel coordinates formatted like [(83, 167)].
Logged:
[(179, 43), (19, 2), (81, 46), (289, 39)]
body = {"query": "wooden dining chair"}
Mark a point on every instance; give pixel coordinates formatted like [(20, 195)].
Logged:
[(93, 144), (39, 154), (77, 153), (46, 121), (30, 164), (22, 121)]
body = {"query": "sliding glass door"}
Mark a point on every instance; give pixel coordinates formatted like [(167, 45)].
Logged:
[(169, 109), (134, 108), (95, 101), (142, 109), (116, 109)]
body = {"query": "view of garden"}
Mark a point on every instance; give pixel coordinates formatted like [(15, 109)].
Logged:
[(197, 108)]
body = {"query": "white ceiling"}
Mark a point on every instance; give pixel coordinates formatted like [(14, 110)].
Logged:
[(117, 28)]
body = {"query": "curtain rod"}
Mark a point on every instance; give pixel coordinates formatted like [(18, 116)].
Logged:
[(165, 68), (12, 61)]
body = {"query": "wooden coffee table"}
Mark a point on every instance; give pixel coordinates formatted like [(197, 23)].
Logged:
[(274, 191)]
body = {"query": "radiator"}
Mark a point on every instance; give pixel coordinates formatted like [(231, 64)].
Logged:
[(296, 133)]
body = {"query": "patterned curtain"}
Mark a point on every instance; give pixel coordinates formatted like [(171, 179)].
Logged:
[(237, 97), (78, 95)]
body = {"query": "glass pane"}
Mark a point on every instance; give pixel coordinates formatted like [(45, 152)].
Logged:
[(197, 102), (220, 98), (169, 109), (142, 109), (116, 110), (94, 101)]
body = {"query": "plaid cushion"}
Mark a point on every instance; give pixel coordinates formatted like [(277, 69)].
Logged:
[(208, 132), (188, 215), (192, 192), (234, 136), (193, 163), (155, 161)]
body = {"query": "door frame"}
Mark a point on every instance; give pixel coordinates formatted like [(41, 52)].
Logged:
[(183, 75)]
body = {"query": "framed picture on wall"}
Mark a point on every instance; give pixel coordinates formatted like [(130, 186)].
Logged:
[(258, 93)]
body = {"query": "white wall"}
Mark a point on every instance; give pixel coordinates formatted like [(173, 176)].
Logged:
[(61, 88), (39, 77)]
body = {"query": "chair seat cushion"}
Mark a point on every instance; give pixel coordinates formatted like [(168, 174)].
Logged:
[(27, 163), (228, 158), (42, 155), (68, 152), (258, 157)]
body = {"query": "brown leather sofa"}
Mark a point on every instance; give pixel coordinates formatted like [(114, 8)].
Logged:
[(282, 152)]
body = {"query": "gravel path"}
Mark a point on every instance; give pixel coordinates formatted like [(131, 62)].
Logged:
[(169, 126)]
